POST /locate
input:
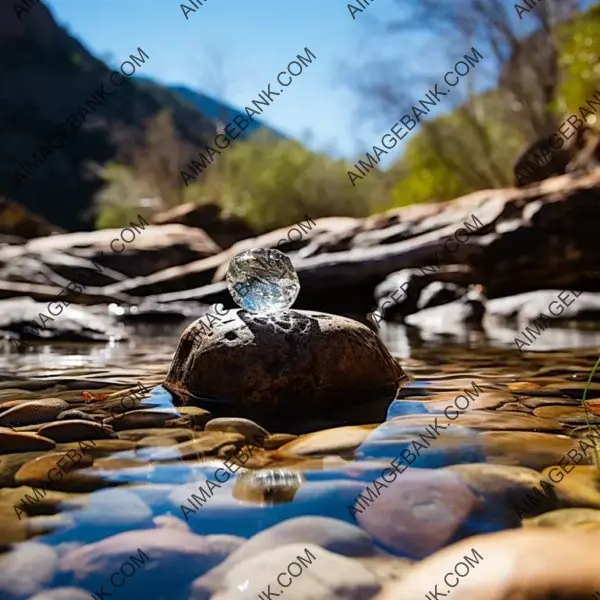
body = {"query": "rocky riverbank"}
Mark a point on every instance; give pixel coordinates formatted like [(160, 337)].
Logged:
[(401, 264)]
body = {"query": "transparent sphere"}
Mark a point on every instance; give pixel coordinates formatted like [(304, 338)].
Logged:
[(262, 281)]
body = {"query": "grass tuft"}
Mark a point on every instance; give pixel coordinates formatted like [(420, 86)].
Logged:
[(587, 414)]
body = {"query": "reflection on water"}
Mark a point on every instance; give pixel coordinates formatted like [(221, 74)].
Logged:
[(152, 467)]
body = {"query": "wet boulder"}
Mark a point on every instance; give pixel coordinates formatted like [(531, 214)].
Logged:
[(439, 293), (398, 295), (293, 368), (26, 320)]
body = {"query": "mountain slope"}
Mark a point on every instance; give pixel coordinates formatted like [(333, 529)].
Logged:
[(219, 111), (47, 75)]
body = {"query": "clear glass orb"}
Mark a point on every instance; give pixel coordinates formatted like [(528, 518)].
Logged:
[(262, 281)]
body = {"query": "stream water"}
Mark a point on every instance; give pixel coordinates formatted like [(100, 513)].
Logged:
[(478, 409)]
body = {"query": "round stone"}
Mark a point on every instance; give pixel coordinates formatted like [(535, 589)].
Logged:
[(292, 371), (262, 281)]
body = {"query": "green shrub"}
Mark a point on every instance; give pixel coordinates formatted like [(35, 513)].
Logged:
[(580, 60), (120, 199), (271, 182)]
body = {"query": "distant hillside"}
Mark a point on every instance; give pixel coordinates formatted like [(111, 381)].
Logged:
[(47, 77), (218, 111)]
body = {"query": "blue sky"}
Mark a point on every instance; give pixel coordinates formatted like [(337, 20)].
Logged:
[(233, 53)]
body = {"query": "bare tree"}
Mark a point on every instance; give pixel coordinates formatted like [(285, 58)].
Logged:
[(518, 79)]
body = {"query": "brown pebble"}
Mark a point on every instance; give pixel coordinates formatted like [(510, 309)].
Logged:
[(121, 463), (157, 440), (185, 422), (12, 403), (253, 432), (181, 435), (74, 413), (227, 451), (48, 504), (279, 439), (37, 411), (206, 443), (57, 471), (100, 447), (198, 416), (12, 441), (140, 419), (76, 430), (12, 529), (11, 463)]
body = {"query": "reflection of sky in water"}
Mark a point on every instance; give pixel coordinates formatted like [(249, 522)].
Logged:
[(159, 398), (174, 483), (147, 491), (405, 407), (243, 505)]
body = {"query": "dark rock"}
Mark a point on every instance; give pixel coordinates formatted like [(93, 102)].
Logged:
[(398, 294), (54, 268), (225, 230), (16, 220), (439, 293), (284, 367), (18, 318), (173, 280), (152, 247)]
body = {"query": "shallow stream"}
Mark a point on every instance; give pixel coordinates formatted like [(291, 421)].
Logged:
[(471, 408)]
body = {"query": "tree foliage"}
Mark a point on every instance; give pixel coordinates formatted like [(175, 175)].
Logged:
[(501, 106), (580, 60), (267, 181), (122, 196), (270, 182)]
